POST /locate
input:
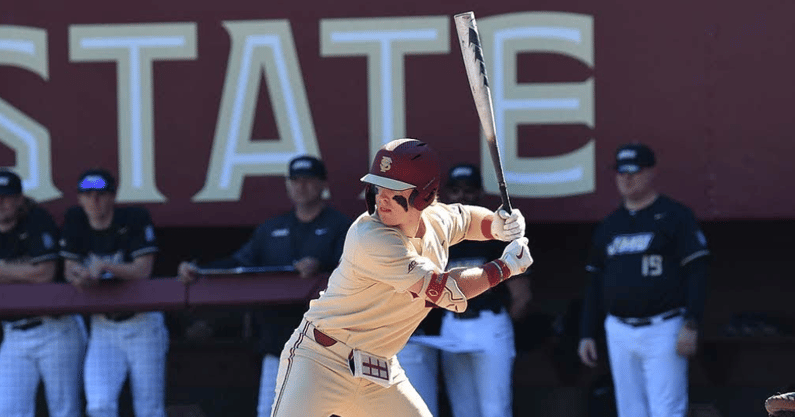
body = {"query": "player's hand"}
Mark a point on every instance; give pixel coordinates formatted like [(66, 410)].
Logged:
[(587, 351), (307, 266), (96, 267), (78, 276), (507, 227), (686, 341), (187, 272), (517, 256)]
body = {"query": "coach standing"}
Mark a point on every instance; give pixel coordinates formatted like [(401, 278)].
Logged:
[(101, 241), (648, 271)]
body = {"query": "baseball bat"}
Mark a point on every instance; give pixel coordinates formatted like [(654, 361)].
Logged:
[(469, 38)]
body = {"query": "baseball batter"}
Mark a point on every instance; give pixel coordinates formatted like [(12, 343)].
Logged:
[(102, 241), (341, 359), (648, 268), (35, 348)]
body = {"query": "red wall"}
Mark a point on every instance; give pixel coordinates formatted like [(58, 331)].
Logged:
[(707, 84)]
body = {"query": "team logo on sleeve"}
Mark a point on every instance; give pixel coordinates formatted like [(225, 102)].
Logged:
[(701, 238), (47, 240), (412, 265), (627, 244)]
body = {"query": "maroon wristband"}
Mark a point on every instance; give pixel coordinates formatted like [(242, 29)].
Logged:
[(485, 228), (496, 271)]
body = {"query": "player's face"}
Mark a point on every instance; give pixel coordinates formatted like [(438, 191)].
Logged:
[(463, 194), (635, 186), (98, 205), (305, 190), (9, 209), (393, 208)]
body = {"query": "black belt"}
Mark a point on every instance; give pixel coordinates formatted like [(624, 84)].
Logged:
[(27, 325), (118, 317), (647, 321), (473, 313)]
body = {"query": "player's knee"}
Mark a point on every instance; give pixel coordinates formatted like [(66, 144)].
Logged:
[(102, 407)]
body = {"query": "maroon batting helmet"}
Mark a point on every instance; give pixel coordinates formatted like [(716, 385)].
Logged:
[(404, 164)]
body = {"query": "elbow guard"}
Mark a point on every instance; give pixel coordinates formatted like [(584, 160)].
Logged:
[(443, 291)]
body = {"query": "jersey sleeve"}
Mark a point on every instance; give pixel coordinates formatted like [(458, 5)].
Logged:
[(383, 254), (596, 252), (42, 236), (692, 243), (459, 218), (249, 253), (142, 233), (73, 245)]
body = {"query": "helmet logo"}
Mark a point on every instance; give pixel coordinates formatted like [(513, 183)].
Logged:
[(386, 164)]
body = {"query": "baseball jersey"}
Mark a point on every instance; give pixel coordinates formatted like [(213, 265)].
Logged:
[(639, 257), (130, 235), (34, 239), (280, 241), (367, 304)]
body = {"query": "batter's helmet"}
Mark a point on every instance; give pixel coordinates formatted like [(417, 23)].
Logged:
[(403, 164)]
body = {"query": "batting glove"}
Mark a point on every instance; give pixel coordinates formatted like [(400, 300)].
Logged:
[(507, 227), (517, 256)]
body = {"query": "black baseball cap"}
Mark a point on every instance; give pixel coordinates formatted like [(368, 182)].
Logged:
[(466, 175), (10, 183), (96, 179), (633, 157), (306, 166)]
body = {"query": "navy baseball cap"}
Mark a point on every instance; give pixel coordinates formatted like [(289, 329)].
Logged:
[(465, 174), (96, 179), (633, 157), (10, 183), (306, 166)]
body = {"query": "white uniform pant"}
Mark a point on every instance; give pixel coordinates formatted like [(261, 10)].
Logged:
[(649, 377), (314, 381), (480, 383), (421, 364), (137, 346), (267, 385), (52, 352)]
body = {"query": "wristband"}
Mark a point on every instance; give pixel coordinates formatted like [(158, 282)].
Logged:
[(497, 271), (485, 228)]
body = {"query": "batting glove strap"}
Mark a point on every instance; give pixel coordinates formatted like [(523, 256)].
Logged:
[(497, 271), (507, 227)]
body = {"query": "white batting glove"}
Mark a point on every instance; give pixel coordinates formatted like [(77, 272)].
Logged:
[(517, 256), (507, 227)]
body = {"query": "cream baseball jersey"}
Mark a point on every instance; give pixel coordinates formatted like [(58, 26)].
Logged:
[(367, 304)]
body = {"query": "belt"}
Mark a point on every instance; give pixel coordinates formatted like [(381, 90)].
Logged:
[(119, 317), (309, 330), (647, 321), (28, 324)]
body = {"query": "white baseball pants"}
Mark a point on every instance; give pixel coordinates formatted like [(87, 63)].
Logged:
[(137, 346), (649, 377), (52, 352)]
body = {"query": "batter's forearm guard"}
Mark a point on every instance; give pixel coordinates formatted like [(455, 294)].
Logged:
[(443, 291)]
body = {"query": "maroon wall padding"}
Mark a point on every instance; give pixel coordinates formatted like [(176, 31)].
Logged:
[(157, 294), (707, 84)]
